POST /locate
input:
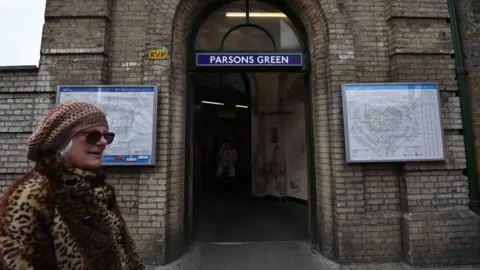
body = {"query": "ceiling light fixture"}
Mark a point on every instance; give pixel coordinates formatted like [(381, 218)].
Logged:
[(241, 106), (256, 14), (211, 102)]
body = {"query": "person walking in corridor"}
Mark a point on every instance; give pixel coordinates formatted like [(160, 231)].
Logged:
[(62, 214), (227, 157)]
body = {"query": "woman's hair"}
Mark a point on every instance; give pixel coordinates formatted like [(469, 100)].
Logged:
[(66, 148)]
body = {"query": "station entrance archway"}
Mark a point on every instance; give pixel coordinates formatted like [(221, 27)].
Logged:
[(254, 40)]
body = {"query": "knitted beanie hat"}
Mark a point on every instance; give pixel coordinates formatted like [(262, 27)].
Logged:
[(61, 124)]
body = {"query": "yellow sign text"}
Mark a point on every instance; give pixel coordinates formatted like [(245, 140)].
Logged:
[(157, 54)]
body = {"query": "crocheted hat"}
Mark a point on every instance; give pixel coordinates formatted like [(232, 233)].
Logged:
[(60, 125)]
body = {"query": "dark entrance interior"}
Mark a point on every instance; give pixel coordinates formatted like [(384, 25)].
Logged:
[(228, 108), (261, 112)]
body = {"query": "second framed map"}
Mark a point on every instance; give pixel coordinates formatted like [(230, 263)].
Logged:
[(392, 122)]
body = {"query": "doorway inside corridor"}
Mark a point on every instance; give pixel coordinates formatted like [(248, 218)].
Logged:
[(261, 117), (249, 93)]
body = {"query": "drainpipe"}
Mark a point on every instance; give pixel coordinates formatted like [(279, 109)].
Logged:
[(469, 139)]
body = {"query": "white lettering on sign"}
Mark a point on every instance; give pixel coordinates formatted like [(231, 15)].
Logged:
[(249, 59), (232, 59), (272, 59)]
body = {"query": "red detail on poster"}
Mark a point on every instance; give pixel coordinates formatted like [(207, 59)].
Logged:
[(273, 131), (274, 135)]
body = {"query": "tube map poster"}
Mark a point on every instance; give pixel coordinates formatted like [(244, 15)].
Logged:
[(392, 122), (131, 113)]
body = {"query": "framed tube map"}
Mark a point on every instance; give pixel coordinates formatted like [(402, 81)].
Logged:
[(132, 115), (393, 122)]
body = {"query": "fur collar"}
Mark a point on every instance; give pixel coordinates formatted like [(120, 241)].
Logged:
[(61, 172), (82, 212)]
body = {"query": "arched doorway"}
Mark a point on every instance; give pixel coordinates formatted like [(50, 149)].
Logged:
[(266, 41)]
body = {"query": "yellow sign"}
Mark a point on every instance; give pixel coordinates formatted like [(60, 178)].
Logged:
[(157, 54)]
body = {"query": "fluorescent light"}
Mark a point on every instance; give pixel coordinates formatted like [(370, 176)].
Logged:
[(211, 102), (242, 106), (256, 14)]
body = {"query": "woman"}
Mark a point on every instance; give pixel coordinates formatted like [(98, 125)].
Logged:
[(62, 214)]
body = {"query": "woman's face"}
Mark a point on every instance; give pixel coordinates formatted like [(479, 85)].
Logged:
[(88, 146)]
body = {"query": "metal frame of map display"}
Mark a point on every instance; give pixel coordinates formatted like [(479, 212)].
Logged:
[(411, 138), (141, 153)]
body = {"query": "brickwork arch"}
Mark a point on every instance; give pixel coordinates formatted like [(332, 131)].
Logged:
[(325, 26)]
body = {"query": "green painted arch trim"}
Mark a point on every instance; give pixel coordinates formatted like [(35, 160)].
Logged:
[(245, 25), (217, 4)]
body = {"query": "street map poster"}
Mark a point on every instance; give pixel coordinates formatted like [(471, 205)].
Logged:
[(132, 115), (392, 122)]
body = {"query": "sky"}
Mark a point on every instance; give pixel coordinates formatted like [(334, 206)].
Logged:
[(21, 25)]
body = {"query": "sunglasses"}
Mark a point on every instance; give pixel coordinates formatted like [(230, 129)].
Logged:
[(94, 136)]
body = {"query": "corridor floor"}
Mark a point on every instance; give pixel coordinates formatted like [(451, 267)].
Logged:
[(249, 256), (250, 234), (272, 256), (249, 220)]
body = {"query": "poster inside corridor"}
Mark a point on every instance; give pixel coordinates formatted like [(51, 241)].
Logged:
[(131, 114), (393, 122)]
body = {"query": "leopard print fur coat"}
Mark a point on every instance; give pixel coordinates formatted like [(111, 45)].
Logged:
[(59, 217)]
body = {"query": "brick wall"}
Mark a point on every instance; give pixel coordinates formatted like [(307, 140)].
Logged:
[(434, 196), (22, 99), (469, 20), (365, 213), (128, 65)]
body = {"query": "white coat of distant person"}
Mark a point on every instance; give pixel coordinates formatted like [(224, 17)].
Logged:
[(227, 159)]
